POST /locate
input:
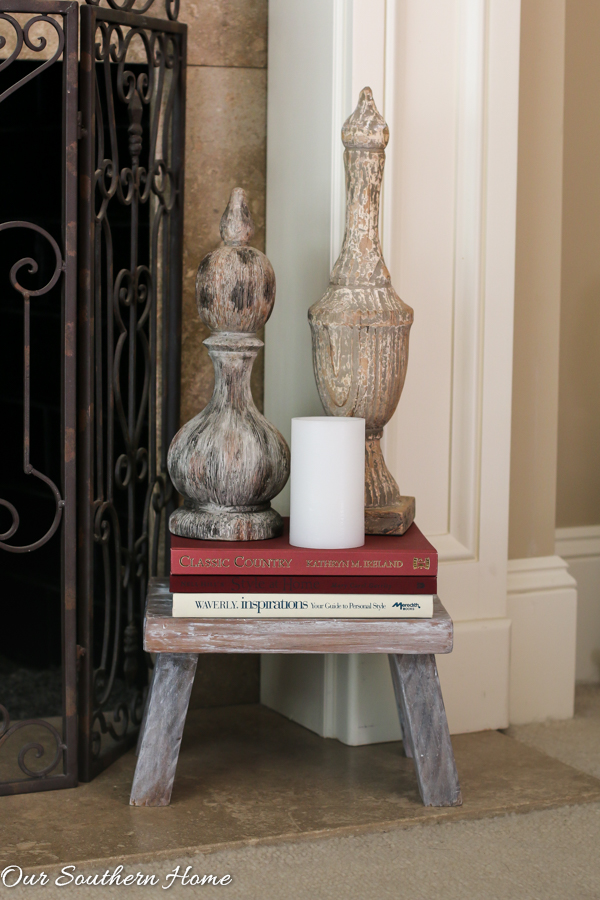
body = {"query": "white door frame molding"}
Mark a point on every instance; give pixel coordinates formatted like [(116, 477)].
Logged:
[(445, 74), (461, 355)]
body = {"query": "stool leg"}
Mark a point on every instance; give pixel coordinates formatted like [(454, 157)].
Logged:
[(408, 750), (163, 729), (145, 715), (425, 727)]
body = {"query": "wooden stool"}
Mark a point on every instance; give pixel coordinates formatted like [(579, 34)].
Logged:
[(409, 643)]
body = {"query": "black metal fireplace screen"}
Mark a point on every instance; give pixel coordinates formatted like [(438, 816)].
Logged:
[(92, 305)]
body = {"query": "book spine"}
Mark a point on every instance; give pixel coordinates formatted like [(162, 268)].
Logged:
[(302, 562), (302, 606), (302, 584)]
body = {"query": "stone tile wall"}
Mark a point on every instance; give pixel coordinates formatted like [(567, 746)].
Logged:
[(225, 148)]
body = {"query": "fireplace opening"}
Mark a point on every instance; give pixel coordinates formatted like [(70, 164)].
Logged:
[(30, 585)]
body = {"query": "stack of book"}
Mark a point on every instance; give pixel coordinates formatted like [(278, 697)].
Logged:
[(388, 577)]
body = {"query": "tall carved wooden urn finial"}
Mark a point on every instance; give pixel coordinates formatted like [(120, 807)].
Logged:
[(228, 462), (360, 327)]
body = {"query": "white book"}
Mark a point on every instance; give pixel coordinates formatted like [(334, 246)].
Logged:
[(303, 606)]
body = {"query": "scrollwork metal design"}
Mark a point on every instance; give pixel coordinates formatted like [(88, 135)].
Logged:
[(26, 293), (23, 38), (129, 304), (171, 7), (7, 731), (58, 762)]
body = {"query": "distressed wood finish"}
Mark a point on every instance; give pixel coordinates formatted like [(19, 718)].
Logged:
[(360, 327), (145, 715), (163, 729), (410, 644), (164, 634), (408, 751), (425, 728), (228, 462)]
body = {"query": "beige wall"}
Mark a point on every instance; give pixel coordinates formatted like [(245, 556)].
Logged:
[(578, 483), (537, 280)]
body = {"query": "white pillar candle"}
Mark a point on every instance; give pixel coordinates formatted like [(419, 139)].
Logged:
[(327, 483)]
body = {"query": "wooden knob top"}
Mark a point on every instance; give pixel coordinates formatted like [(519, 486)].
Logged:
[(366, 128), (235, 285), (237, 226)]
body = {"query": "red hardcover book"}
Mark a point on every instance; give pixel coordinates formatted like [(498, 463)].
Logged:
[(380, 555), (302, 584)]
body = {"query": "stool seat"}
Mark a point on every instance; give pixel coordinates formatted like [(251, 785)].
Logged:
[(165, 634), (411, 645)]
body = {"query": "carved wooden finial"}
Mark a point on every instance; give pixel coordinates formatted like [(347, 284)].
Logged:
[(365, 135), (360, 327), (237, 226), (365, 129), (229, 462)]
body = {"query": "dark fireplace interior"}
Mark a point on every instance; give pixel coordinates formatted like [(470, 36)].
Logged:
[(30, 583), (30, 161)]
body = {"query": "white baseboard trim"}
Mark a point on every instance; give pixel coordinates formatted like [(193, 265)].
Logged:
[(475, 676), (517, 669), (576, 543), (350, 696), (540, 573), (542, 607), (580, 547)]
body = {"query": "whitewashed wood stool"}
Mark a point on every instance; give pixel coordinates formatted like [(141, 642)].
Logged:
[(409, 643)]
